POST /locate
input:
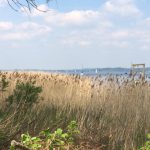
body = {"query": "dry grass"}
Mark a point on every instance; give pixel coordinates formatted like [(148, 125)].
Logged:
[(112, 113)]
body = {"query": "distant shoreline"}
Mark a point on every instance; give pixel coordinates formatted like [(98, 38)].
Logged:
[(86, 71)]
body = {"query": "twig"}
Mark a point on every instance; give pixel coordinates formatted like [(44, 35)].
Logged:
[(19, 145)]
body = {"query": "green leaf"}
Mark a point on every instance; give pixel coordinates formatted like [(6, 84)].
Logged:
[(51, 147), (45, 132), (65, 135), (36, 146), (148, 136), (59, 131), (36, 139)]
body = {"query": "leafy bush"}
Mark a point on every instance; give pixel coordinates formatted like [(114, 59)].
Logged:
[(147, 144), (51, 140), (3, 84), (17, 116), (25, 93), (3, 87), (60, 138), (31, 142)]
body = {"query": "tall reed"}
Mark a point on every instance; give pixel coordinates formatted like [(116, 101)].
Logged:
[(112, 112)]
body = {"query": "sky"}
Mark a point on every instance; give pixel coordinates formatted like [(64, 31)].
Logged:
[(75, 34)]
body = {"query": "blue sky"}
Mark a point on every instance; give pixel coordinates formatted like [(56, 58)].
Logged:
[(75, 34)]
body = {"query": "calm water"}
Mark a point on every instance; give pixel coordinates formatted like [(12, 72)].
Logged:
[(103, 71)]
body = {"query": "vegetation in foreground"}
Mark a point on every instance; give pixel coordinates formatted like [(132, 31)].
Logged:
[(47, 140), (111, 113)]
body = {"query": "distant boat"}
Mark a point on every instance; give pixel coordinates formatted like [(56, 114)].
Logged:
[(82, 73), (96, 71)]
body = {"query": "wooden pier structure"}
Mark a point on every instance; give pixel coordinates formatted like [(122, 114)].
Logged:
[(138, 68)]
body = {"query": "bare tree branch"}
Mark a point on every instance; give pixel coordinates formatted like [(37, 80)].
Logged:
[(16, 4)]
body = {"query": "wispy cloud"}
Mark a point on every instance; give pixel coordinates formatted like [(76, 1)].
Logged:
[(80, 27), (22, 31), (124, 8), (3, 3), (116, 25), (5, 25)]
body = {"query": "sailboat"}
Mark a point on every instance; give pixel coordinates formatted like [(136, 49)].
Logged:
[(96, 71)]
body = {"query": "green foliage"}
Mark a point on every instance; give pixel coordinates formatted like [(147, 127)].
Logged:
[(25, 93), (3, 84), (72, 130), (59, 138), (12, 147), (56, 139), (147, 144), (51, 140), (17, 114), (31, 142)]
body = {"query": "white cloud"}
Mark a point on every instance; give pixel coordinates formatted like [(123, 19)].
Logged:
[(120, 34), (84, 27), (15, 36), (118, 27), (72, 18), (23, 31), (74, 39), (124, 8), (87, 18), (33, 27), (6, 25), (77, 17), (3, 3)]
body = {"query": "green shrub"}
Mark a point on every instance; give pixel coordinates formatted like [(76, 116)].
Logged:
[(25, 93), (51, 140), (18, 114), (59, 138), (147, 144), (3, 84), (31, 142)]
